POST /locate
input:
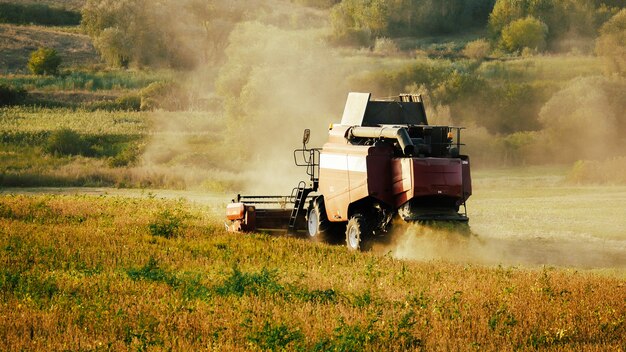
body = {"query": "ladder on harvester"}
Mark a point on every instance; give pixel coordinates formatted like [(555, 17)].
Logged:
[(301, 193), (311, 160)]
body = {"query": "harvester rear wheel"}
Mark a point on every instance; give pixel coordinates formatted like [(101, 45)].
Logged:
[(358, 233), (317, 222)]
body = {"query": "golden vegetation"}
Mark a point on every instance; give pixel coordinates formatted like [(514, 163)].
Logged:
[(81, 272)]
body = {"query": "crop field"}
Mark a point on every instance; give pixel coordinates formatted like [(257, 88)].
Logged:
[(81, 272)]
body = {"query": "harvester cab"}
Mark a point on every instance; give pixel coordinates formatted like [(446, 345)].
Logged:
[(382, 161)]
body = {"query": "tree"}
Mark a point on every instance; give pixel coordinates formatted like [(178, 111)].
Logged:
[(165, 33), (115, 46), (44, 61), (139, 32), (565, 18), (612, 42), (503, 13), (528, 32)]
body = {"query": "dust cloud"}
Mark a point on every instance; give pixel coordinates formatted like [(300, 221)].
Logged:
[(584, 121), (422, 242), (276, 83), (266, 75)]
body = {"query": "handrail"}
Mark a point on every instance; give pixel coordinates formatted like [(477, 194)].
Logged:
[(312, 161)]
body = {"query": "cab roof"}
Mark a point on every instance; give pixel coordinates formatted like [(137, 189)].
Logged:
[(404, 110)]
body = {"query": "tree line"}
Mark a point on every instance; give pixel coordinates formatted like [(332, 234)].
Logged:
[(362, 20), (546, 21)]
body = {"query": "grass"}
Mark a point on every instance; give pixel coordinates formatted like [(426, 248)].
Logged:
[(121, 149), (84, 80), (543, 197), (16, 120), (73, 268)]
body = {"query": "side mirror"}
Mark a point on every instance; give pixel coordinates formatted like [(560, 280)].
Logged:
[(306, 136)]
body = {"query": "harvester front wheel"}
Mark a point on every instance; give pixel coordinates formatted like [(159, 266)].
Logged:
[(358, 233), (317, 222)]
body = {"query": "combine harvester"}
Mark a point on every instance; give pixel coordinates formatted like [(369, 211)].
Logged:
[(382, 162)]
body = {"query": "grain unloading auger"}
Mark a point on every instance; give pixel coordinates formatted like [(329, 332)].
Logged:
[(382, 162)]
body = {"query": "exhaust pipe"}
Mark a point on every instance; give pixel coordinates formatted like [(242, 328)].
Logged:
[(398, 133)]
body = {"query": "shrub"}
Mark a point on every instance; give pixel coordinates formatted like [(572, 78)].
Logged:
[(240, 283), (44, 61), (528, 32), (167, 224), (65, 142), (477, 49), (10, 95)]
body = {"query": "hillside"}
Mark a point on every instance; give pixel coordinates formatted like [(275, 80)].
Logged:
[(74, 5), (17, 42)]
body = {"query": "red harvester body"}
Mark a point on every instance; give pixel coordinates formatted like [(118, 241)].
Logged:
[(383, 161)]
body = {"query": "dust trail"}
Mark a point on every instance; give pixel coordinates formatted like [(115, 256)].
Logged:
[(420, 242)]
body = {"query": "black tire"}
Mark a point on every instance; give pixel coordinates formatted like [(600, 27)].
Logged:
[(358, 233), (317, 222)]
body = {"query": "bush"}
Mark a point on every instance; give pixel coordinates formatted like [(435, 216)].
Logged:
[(44, 61), (524, 33), (65, 142), (10, 95), (167, 224), (477, 49)]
